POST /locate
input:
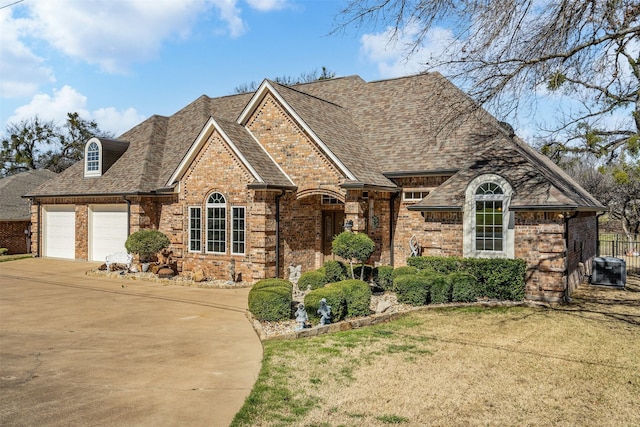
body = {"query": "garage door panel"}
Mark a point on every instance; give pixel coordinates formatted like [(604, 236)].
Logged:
[(60, 232), (109, 230)]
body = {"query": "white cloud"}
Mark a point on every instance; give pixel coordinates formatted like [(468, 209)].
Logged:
[(267, 5), (393, 53), (65, 100), (22, 71)]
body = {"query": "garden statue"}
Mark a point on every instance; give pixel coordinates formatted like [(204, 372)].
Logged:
[(325, 312), (301, 317), (232, 272), (294, 273)]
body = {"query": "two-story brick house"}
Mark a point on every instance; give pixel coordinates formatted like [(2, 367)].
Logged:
[(268, 178)]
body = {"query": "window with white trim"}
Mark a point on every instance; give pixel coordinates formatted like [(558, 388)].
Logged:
[(238, 230), (92, 157), (328, 200), (488, 225), (489, 200), (216, 223), (195, 229), (414, 196)]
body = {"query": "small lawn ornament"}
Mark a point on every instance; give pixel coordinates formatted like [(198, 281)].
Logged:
[(301, 317), (325, 312), (294, 273)]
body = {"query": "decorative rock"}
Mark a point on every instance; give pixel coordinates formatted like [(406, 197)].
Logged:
[(165, 273), (198, 276), (383, 306)]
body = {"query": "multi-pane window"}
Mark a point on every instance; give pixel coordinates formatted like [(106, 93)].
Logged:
[(328, 200), (93, 157), (489, 199), (238, 230), (414, 196), (195, 229), (216, 223)]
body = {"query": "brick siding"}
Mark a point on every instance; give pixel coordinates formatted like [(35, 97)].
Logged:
[(12, 236)]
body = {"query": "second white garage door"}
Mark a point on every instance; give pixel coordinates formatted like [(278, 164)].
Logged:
[(108, 230)]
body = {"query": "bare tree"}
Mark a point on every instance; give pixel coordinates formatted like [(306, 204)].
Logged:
[(503, 50), (309, 77)]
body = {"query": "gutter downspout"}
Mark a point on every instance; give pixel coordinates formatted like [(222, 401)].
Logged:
[(39, 229), (565, 296), (392, 199), (598, 232), (278, 234), (128, 215)]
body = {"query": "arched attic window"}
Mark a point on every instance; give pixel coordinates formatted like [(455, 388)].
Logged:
[(488, 224), (93, 158)]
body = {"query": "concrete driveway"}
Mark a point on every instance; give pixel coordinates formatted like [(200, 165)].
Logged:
[(82, 350)]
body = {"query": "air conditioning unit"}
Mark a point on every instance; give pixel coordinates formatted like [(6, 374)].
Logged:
[(609, 271)]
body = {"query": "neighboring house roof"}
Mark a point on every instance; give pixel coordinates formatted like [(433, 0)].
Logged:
[(371, 131), (12, 206)]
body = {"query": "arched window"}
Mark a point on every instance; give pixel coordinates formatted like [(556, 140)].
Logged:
[(489, 217), (216, 223), (488, 224), (92, 158)]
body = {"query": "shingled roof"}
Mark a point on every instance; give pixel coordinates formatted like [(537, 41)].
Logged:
[(12, 206), (372, 130)]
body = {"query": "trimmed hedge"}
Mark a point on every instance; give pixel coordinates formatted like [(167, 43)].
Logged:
[(335, 299), (312, 280), (271, 299), (347, 298), (497, 278), (412, 289), (335, 271), (401, 271), (357, 295), (440, 287), (464, 287), (382, 277)]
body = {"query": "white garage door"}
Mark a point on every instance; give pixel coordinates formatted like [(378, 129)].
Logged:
[(59, 232), (108, 230)]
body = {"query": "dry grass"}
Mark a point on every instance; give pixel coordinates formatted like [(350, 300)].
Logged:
[(564, 366)]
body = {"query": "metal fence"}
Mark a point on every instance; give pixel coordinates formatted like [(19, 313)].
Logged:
[(620, 247)]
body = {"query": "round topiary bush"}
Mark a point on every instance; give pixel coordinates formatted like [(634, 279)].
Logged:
[(357, 296), (335, 271), (312, 280), (383, 277), (464, 287), (146, 243), (335, 299), (271, 301), (412, 289)]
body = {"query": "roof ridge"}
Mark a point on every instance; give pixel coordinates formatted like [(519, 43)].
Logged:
[(304, 93)]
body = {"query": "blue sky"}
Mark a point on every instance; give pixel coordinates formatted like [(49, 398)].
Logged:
[(121, 61)]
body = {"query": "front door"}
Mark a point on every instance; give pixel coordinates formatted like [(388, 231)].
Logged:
[(332, 222)]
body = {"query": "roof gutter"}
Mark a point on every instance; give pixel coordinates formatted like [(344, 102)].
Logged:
[(265, 186), (368, 187), (554, 208), (408, 174), (435, 208), (134, 193)]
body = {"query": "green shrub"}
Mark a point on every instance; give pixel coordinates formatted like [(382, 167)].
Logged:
[(146, 243), (3, 251), (312, 280), (440, 288), (357, 296), (436, 263), (382, 277), (412, 289), (269, 283), (335, 299), (335, 271), (464, 287), (401, 271), (271, 301), (352, 246), (498, 278)]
